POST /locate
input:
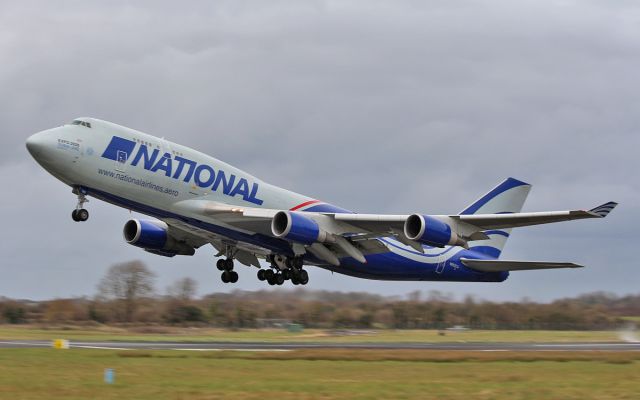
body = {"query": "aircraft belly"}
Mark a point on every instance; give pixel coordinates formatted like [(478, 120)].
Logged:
[(394, 267)]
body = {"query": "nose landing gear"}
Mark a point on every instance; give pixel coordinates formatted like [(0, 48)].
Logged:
[(80, 214)]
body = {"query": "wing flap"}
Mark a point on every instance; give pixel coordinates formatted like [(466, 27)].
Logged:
[(506, 265)]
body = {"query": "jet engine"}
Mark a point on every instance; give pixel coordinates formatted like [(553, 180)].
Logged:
[(297, 227), (154, 237), (429, 230)]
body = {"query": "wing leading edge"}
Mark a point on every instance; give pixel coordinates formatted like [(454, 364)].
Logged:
[(515, 220)]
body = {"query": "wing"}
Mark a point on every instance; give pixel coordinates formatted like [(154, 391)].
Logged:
[(504, 265), (470, 224), (347, 234), (515, 220)]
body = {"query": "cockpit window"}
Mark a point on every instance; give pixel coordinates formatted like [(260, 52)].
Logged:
[(83, 123)]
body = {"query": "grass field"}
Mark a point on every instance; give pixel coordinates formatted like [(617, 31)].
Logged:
[(13, 332), (78, 374)]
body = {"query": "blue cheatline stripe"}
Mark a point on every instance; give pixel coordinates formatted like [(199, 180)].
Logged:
[(416, 252), (327, 208), (510, 183), (496, 232), (487, 250)]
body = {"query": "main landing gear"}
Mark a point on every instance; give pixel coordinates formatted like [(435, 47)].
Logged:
[(80, 214), (283, 270), (228, 274), (226, 266)]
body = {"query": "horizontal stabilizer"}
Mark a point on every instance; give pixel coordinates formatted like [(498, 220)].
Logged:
[(505, 265)]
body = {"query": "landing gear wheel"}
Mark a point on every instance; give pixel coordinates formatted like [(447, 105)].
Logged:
[(261, 275), (297, 262), (80, 215), (225, 277), (271, 280), (228, 264), (269, 274), (286, 274), (233, 276), (295, 280), (279, 279), (220, 264), (304, 277), (83, 215)]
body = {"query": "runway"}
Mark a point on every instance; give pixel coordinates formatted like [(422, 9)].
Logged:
[(287, 346)]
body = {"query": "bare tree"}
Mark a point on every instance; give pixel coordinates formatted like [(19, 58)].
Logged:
[(126, 284), (183, 289)]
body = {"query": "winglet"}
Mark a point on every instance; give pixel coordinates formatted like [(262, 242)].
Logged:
[(604, 210)]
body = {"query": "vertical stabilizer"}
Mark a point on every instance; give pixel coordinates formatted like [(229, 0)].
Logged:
[(507, 197)]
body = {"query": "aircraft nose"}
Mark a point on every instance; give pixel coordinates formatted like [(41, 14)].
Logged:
[(35, 144), (39, 146)]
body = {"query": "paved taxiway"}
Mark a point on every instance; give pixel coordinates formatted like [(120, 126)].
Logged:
[(284, 346)]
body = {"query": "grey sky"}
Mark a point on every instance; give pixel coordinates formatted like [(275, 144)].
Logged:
[(377, 106)]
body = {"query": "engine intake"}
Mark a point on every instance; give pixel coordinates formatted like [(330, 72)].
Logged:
[(297, 227), (429, 230), (153, 236)]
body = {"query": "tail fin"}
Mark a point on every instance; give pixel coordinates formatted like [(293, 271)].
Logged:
[(507, 197)]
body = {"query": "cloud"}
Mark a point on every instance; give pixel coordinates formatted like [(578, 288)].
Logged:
[(376, 106)]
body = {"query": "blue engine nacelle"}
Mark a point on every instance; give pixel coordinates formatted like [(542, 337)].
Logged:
[(153, 236), (429, 230), (296, 227)]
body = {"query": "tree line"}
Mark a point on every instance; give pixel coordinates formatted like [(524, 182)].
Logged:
[(127, 295)]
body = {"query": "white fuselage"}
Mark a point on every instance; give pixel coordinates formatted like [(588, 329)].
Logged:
[(149, 170)]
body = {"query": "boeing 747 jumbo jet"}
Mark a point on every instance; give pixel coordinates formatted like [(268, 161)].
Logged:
[(195, 200)]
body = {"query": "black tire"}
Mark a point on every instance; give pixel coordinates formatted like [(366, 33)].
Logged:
[(279, 279), (298, 262), (228, 264), (233, 276), (261, 275), (271, 280), (269, 274), (225, 277), (304, 277), (295, 280), (286, 274), (83, 215), (220, 264), (74, 215)]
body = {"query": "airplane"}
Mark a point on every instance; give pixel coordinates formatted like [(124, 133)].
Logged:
[(195, 200)]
